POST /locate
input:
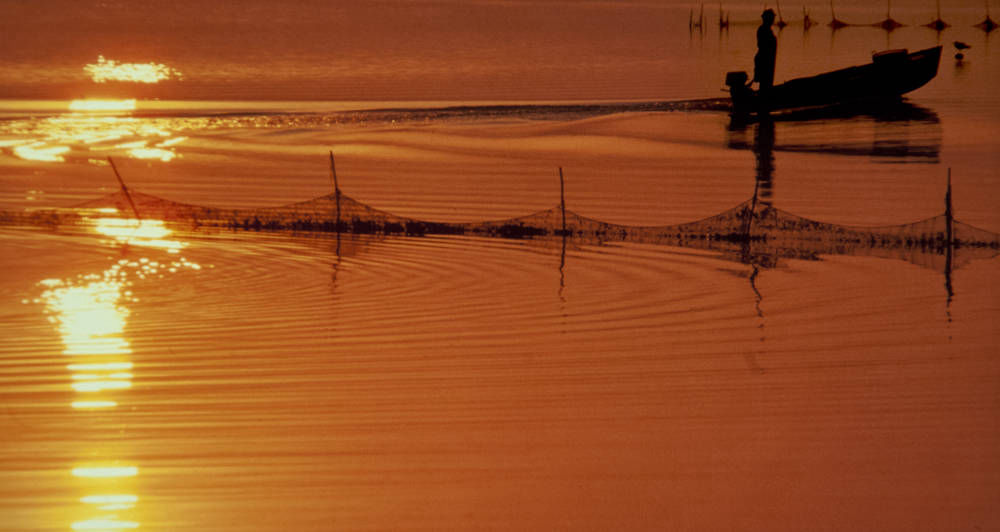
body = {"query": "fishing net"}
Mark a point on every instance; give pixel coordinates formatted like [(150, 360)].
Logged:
[(750, 232)]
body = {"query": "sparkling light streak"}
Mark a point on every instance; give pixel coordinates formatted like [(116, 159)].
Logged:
[(39, 151), (100, 366), (94, 125), (85, 405), (102, 105), (148, 233), (108, 499), (105, 70), (97, 386), (111, 502), (106, 471), (104, 524), (152, 153)]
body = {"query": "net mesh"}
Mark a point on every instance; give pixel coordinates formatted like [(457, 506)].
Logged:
[(751, 231)]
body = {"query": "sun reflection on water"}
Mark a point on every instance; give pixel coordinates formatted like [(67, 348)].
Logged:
[(39, 151), (105, 471), (146, 233), (105, 366), (104, 524), (91, 316), (92, 129), (152, 153), (109, 499), (85, 405), (90, 312), (101, 385), (102, 105), (103, 508), (105, 70)]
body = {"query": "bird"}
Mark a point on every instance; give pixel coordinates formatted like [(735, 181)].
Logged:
[(959, 45)]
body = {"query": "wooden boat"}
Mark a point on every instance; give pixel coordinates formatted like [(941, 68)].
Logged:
[(890, 75)]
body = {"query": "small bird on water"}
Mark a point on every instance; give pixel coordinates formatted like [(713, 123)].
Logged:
[(959, 45)]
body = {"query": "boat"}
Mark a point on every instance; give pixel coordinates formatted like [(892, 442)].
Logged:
[(891, 74)]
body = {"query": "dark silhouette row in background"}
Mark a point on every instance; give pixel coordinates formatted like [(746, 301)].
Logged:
[(888, 23)]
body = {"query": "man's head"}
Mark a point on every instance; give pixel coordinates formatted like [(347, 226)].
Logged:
[(767, 16)]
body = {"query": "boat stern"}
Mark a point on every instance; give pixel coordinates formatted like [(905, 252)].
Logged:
[(740, 92)]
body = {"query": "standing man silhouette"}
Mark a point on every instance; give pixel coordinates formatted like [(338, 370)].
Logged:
[(767, 51)]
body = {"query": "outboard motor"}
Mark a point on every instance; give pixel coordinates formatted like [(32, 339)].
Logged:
[(739, 91)]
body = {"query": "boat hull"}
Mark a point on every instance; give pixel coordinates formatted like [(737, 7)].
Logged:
[(890, 75)]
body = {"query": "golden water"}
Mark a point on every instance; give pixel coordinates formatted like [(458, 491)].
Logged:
[(154, 377), (268, 383)]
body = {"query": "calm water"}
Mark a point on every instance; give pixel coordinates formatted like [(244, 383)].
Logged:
[(212, 380)]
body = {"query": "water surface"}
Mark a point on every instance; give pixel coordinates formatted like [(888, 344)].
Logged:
[(459, 382), (204, 379)]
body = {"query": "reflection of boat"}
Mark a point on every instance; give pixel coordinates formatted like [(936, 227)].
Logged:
[(898, 111), (900, 131), (890, 75)]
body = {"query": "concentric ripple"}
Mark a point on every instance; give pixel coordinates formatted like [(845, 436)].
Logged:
[(301, 380)]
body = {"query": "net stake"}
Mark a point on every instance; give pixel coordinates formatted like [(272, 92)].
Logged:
[(948, 216), (562, 199), (336, 187), (128, 196)]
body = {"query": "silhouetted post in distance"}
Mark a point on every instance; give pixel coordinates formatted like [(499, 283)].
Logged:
[(988, 24), (835, 22), (763, 62), (781, 20), (723, 19), (938, 24), (128, 196), (700, 24), (889, 24)]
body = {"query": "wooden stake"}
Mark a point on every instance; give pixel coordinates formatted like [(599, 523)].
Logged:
[(336, 187), (333, 173), (128, 196), (751, 211), (562, 199), (949, 217)]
